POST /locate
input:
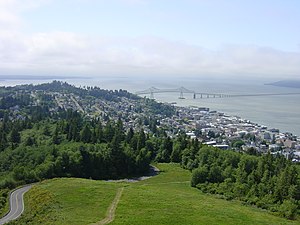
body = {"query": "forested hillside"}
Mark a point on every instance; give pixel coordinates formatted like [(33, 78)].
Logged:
[(269, 182)]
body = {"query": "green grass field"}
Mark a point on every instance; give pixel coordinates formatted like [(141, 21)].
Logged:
[(67, 201), (164, 199)]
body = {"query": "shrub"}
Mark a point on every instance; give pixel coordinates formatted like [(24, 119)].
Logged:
[(199, 176), (288, 209)]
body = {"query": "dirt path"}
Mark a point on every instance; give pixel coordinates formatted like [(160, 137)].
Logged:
[(110, 214), (173, 182), (153, 171)]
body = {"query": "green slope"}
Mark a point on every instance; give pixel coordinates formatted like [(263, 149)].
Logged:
[(164, 199), (169, 199), (67, 201)]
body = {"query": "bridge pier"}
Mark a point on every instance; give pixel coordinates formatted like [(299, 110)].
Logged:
[(181, 95), (151, 95)]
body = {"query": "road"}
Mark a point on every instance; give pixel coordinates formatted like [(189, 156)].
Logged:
[(153, 171), (16, 205), (77, 104)]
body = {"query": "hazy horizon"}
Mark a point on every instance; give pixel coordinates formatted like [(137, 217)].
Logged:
[(36, 79)]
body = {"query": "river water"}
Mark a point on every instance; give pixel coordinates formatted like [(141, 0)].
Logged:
[(282, 112)]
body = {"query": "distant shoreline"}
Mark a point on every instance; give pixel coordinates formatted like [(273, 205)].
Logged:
[(33, 77), (286, 83)]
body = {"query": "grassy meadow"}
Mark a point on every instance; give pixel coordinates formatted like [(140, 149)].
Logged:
[(163, 199), (63, 201)]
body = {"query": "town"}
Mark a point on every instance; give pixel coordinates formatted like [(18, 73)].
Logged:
[(209, 127)]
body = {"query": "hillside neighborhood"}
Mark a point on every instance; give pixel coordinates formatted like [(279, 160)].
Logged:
[(210, 127)]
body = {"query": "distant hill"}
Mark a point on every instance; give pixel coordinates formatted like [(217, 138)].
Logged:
[(286, 83), (38, 77)]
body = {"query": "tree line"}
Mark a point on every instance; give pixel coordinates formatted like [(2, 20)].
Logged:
[(70, 147)]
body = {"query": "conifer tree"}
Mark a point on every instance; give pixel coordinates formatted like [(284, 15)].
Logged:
[(86, 134)]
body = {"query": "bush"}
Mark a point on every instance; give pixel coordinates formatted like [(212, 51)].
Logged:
[(3, 198), (202, 187), (266, 202), (199, 176), (8, 182), (288, 209)]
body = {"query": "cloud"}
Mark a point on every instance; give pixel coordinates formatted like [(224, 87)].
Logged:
[(65, 53), (70, 53)]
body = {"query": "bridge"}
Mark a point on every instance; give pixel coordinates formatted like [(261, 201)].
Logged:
[(154, 90), (182, 90)]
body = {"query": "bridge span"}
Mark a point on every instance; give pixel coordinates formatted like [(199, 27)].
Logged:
[(154, 90), (182, 90)]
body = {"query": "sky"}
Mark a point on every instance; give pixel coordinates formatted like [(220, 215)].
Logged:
[(221, 38)]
